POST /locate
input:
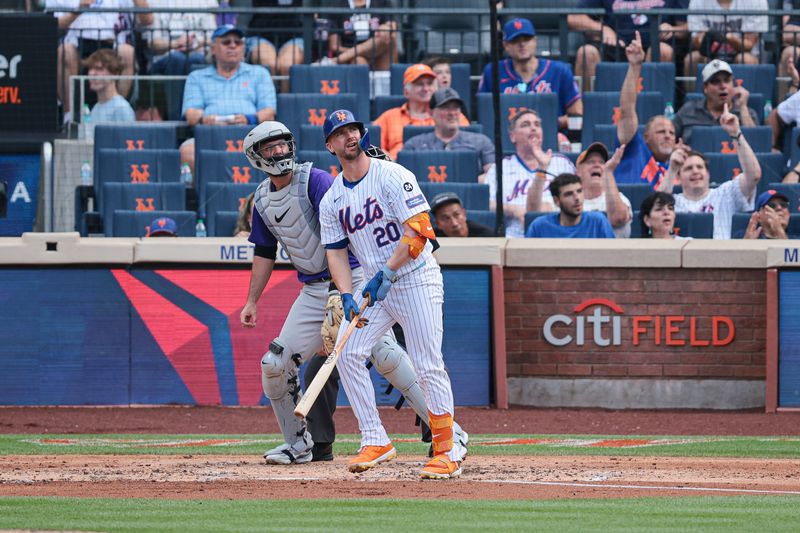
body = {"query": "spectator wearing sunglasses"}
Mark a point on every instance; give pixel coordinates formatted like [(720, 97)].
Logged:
[(771, 217), (229, 91)]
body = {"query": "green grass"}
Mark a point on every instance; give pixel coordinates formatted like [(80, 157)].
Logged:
[(704, 514), (552, 445)]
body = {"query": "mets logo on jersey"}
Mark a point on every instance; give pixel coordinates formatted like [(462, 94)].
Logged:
[(543, 87), (351, 224), (520, 189)]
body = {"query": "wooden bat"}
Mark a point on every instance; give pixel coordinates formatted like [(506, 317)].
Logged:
[(315, 387)]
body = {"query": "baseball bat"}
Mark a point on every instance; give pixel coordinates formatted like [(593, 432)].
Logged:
[(315, 387)]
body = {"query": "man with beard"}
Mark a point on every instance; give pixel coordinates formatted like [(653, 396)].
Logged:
[(571, 221), (719, 92), (646, 157)]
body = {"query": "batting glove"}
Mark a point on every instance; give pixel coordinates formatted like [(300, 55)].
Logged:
[(378, 287), (349, 305)]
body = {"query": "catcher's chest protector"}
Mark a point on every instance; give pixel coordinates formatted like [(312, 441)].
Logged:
[(289, 215)]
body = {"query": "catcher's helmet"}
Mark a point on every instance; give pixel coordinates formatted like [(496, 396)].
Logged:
[(343, 117), (270, 131)]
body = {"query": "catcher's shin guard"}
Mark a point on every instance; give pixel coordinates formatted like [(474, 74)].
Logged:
[(280, 382)]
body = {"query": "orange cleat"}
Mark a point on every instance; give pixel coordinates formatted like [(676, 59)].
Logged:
[(369, 456), (441, 467)]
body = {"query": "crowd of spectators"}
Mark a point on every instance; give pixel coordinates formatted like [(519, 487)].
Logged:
[(230, 81)]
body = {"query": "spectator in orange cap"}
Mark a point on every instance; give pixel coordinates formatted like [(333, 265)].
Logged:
[(419, 84)]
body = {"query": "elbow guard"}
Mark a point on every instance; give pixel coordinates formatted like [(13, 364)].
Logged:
[(421, 224)]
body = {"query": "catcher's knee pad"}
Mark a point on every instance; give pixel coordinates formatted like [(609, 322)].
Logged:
[(395, 365), (279, 371)]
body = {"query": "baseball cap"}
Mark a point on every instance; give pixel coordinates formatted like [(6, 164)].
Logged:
[(444, 198), (715, 67), (516, 27), (415, 72), (597, 147), (162, 227), (764, 198), (442, 96), (225, 29)]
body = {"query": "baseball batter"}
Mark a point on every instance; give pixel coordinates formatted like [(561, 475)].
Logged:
[(286, 210), (377, 209)]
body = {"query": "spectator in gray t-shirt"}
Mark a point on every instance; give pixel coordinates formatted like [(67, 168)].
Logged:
[(446, 109), (110, 106)]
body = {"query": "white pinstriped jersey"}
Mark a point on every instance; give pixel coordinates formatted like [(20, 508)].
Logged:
[(517, 178), (723, 201), (370, 214)]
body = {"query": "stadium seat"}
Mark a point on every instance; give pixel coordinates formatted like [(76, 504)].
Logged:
[(723, 167), (716, 139), (741, 220), (384, 102), (655, 77), (311, 138), (485, 217), (140, 197), (794, 146), (756, 102), (603, 108), (473, 195), (220, 138), (294, 110), (695, 225), (460, 81), (412, 131), (530, 216), (135, 166), (442, 165), (636, 226), (322, 159), (224, 223), (135, 223), (227, 167), (452, 33), (329, 79), (224, 197), (544, 104), (134, 136), (755, 78), (635, 192)]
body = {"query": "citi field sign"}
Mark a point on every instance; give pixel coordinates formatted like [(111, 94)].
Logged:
[(604, 327)]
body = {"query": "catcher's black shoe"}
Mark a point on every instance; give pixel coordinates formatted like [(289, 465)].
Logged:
[(322, 451)]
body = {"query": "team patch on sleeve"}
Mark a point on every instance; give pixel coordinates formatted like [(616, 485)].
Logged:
[(414, 201)]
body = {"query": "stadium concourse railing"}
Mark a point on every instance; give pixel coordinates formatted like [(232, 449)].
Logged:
[(693, 323)]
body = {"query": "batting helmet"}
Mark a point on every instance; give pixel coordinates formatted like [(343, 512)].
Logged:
[(269, 131), (343, 117)]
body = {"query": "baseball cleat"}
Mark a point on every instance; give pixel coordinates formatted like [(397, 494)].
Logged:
[(322, 452), (369, 456), (288, 455), (441, 467)]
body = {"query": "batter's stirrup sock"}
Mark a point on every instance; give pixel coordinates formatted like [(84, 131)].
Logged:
[(441, 432)]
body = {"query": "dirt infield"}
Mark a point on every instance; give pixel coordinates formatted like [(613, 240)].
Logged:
[(485, 477)]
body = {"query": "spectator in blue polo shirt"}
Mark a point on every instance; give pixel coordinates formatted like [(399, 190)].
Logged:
[(570, 221), (523, 72), (229, 91)]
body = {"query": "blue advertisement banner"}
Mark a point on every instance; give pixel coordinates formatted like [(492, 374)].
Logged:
[(21, 174), (789, 344)]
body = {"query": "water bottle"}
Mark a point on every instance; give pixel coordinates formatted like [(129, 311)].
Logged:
[(85, 129), (200, 228), (669, 111), (767, 109), (186, 175), (86, 174)]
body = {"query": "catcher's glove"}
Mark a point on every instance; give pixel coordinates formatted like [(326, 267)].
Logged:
[(334, 313)]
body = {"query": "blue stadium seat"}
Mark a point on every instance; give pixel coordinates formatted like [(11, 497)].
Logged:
[(310, 137), (294, 110), (636, 227), (716, 139), (224, 197), (322, 159), (385, 102), (442, 165), (773, 168), (411, 131), (227, 167), (224, 223), (530, 216), (135, 166), (485, 217), (545, 104), (140, 197), (473, 195), (696, 225), (756, 102), (636, 192), (723, 167), (741, 220), (329, 79), (755, 78), (655, 77), (603, 108), (607, 133), (134, 136), (794, 147), (220, 138), (460, 81), (135, 223)]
